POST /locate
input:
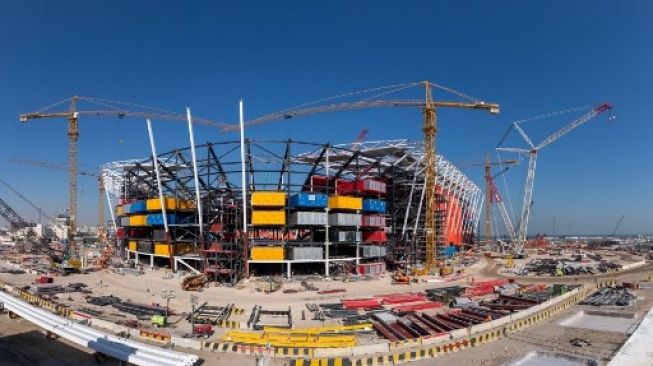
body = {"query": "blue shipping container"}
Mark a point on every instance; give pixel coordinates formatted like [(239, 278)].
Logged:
[(372, 205), (137, 206), (173, 219), (308, 200)]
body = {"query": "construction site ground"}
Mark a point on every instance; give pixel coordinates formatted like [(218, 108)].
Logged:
[(147, 288)]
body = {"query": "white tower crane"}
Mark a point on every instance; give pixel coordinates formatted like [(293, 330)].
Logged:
[(518, 244)]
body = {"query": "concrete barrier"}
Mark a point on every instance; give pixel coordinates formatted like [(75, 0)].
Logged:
[(186, 343)]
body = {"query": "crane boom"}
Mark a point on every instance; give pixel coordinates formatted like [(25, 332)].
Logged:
[(429, 128), (364, 104), (107, 108)]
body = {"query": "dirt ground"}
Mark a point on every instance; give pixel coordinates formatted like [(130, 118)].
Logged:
[(546, 336)]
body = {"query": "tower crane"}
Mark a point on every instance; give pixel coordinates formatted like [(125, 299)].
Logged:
[(97, 108), (493, 196), (62, 167), (532, 153), (429, 107)]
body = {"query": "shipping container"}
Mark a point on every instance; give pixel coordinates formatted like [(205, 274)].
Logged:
[(308, 200), (137, 232), (345, 236), (377, 236), (267, 254), (158, 234), (185, 205), (344, 219), (364, 186), (374, 205), (321, 183), (154, 204), (177, 249), (345, 203), (126, 208), (138, 220), (268, 218), (268, 199), (145, 246), (137, 207), (372, 220), (120, 233), (172, 218), (120, 210), (307, 218), (373, 251), (124, 221), (132, 245), (305, 253)]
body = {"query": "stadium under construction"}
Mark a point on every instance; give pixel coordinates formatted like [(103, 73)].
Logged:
[(288, 207)]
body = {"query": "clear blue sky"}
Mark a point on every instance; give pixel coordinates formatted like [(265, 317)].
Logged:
[(529, 56)]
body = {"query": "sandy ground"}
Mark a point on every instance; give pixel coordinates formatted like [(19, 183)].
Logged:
[(548, 336)]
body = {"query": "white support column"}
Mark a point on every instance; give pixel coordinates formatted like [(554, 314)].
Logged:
[(152, 261), (243, 179), (327, 242), (195, 173), (155, 161)]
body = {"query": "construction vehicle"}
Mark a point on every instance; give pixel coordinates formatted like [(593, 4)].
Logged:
[(159, 321), (532, 153), (100, 108), (429, 107), (203, 330)]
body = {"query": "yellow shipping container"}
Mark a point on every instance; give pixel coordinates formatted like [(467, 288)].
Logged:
[(138, 220), (269, 199), (177, 249), (131, 246), (268, 218), (345, 203), (267, 254), (120, 211), (186, 204), (154, 204)]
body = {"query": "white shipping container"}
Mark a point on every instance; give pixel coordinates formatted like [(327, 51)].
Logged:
[(307, 218)]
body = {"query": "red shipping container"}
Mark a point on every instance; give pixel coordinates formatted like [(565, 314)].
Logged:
[(120, 233), (377, 236)]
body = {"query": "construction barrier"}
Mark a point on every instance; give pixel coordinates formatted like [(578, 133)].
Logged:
[(336, 361), (229, 324), (154, 336)]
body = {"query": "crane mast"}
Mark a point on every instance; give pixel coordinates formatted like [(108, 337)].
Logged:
[(430, 129)]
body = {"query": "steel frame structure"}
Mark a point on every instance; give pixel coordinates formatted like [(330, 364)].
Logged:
[(288, 166)]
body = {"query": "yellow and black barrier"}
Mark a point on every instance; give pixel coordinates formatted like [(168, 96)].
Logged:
[(333, 361), (230, 324), (293, 352)]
